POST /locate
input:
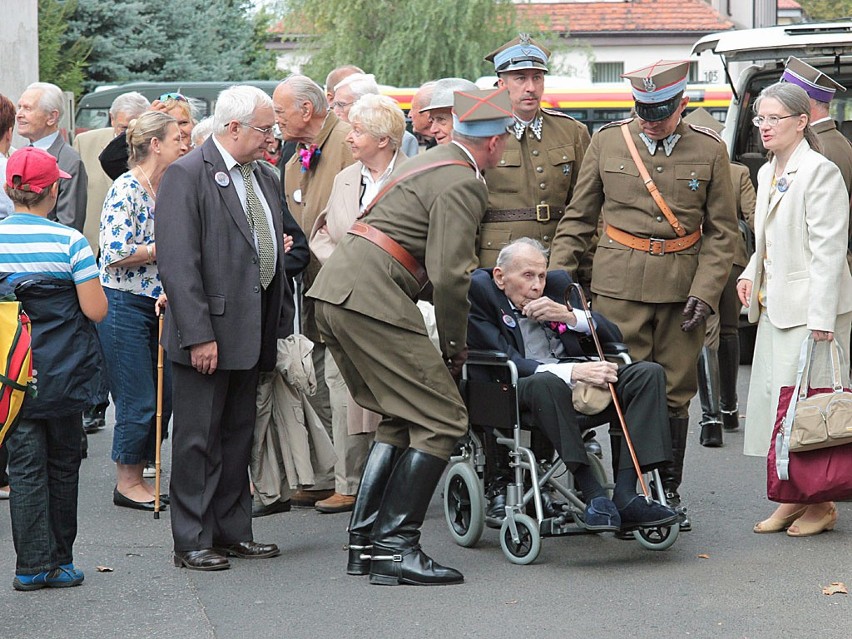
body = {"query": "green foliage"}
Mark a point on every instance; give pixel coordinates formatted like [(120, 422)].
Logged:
[(60, 61), (405, 43), (827, 9)]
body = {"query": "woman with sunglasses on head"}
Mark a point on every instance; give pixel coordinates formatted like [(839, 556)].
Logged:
[(132, 283), (181, 109), (797, 282)]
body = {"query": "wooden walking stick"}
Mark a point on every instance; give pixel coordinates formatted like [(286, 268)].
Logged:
[(612, 392), (159, 435)]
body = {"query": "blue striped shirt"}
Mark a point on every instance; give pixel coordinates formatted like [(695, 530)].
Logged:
[(32, 244)]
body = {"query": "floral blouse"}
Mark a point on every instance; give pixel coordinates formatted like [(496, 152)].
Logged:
[(127, 226)]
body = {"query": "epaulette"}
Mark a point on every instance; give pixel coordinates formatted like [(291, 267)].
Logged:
[(616, 123), (705, 131), (558, 113)]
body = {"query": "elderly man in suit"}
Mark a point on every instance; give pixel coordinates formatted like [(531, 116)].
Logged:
[(40, 109), (221, 256), (516, 308)]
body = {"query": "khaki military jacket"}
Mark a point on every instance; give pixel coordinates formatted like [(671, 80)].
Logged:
[(695, 181), (533, 173), (836, 148), (435, 216)]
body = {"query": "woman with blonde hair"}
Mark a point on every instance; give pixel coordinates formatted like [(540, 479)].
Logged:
[(797, 282), (130, 278)]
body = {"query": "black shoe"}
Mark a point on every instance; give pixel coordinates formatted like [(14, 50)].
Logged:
[(206, 559), (601, 515), (730, 420), (360, 550), (411, 567), (551, 507), (259, 510), (711, 434), (125, 502), (496, 511), (247, 550), (638, 513)]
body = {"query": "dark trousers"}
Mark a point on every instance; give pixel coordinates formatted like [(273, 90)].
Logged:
[(212, 434), (546, 403), (44, 472)]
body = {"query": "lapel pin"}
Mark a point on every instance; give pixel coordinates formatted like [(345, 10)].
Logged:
[(783, 185), (509, 321), (297, 195), (222, 178)]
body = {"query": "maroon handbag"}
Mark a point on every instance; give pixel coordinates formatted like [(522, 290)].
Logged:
[(815, 476)]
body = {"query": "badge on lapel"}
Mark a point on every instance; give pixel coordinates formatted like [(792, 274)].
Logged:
[(222, 179), (508, 320), (694, 184)]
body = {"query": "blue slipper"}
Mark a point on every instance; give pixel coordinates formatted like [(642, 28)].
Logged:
[(638, 513), (601, 515), (30, 582), (65, 576)]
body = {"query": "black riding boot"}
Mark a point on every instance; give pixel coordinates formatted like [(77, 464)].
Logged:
[(708, 393), (397, 557), (374, 479), (729, 368), (672, 474)]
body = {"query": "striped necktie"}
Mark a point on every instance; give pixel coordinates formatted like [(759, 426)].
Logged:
[(260, 228)]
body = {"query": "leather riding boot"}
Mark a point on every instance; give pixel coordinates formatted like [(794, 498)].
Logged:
[(708, 393), (374, 479), (397, 557), (672, 474), (729, 368)]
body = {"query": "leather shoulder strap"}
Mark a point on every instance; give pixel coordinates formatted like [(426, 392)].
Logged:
[(649, 183), (404, 176)]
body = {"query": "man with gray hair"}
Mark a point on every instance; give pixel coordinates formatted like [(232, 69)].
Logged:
[(220, 252), (40, 109), (354, 87), (420, 123), (321, 153)]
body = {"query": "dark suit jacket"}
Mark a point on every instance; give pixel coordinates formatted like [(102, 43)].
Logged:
[(209, 265), (70, 208), (299, 256), (487, 330)]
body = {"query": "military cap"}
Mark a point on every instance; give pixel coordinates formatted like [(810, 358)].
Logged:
[(521, 53), (442, 94), (702, 117), (816, 84), (482, 113), (657, 88)]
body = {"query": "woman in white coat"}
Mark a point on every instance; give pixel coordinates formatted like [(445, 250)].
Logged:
[(797, 281)]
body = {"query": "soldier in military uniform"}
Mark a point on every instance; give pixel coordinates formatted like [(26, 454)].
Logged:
[(534, 181), (366, 296), (657, 273)]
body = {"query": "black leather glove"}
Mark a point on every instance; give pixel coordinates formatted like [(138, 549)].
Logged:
[(695, 312), (456, 362)]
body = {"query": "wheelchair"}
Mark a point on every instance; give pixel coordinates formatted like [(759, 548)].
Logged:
[(493, 404)]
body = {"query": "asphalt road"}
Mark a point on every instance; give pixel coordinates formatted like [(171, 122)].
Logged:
[(720, 580)]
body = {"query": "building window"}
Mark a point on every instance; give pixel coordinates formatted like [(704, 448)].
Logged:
[(693, 72), (607, 71)]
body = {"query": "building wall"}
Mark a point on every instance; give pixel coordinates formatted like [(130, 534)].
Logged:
[(18, 49)]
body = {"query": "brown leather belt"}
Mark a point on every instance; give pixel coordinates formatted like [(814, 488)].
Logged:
[(392, 248), (541, 213), (653, 245)]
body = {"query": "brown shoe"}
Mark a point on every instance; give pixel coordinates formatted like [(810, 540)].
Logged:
[(308, 498), (337, 503)]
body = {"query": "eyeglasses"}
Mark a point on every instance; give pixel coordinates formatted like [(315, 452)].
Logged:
[(265, 131), (771, 120), (341, 105)]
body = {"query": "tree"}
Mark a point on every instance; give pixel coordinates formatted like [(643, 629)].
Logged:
[(59, 61), (827, 9), (405, 43)]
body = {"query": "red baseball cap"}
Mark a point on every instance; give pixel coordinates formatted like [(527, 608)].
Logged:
[(36, 168)]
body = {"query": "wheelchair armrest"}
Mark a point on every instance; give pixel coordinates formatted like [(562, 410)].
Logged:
[(614, 348), (486, 357)]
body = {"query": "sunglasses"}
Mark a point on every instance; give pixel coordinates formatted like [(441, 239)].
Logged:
[(173, 96)]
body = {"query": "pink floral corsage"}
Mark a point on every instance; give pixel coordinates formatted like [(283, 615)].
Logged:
[(559, 327), (309, 157)]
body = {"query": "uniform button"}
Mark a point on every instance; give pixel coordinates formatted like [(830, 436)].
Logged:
[(768, 262), (452, 343), (621, 167), (489, 243), (542, 185), (564, 157), (659, 169), (546, 238), (539, 169), (610, 241), (692, 174), (502, 161), (257, 289), (535, 152), (659, 218)]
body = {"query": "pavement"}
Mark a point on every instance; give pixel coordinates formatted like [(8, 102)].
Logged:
[(720, 580)]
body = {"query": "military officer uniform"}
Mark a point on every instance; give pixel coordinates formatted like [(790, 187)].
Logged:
[(366, 298), (533, 183), (645, 275)]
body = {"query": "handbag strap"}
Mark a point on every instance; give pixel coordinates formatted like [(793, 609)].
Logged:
[(649, 183)]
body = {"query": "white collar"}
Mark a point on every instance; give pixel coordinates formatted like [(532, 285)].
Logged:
[(472, 159)]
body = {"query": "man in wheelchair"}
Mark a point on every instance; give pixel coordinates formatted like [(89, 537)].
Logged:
[(516, 308)]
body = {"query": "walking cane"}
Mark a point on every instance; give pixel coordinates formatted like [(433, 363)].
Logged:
[(612, 392), (159, 435)]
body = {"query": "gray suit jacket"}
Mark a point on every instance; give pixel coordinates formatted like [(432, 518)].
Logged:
[(210, 269), (70, 209)]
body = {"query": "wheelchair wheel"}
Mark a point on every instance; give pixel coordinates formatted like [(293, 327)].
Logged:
[(526, 550), (464, 506), (658, 537)]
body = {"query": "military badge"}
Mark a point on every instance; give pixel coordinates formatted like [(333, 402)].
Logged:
[(693, 184), (649, 84), (566, 169)]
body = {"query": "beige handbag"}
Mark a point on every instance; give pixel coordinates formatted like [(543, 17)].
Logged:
[(590, 399), (824, 419)]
